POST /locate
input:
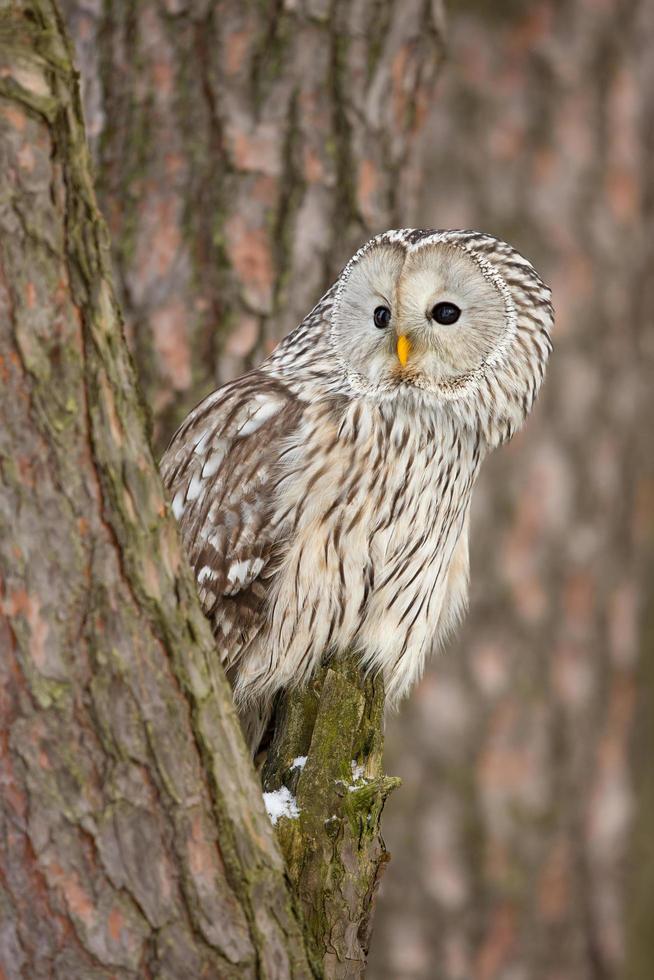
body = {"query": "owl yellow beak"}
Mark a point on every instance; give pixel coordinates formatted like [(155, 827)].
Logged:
[(403, 349)]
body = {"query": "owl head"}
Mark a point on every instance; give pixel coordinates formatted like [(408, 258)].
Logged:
[(458, 319), (457, 315)]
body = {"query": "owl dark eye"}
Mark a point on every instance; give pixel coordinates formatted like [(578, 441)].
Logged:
[(445, 313), (381, 317)]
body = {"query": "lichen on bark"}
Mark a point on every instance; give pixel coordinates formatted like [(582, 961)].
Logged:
[(327, 750)]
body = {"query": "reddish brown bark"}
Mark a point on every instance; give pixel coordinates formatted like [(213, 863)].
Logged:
[(243, 152), (133, 840)]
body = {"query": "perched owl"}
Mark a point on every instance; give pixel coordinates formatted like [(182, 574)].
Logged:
[(323, 498)]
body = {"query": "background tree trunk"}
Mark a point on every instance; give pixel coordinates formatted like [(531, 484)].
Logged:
[(525, 768), (243, 152)]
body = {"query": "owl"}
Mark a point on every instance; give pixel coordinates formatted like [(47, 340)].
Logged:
[(324, 498)]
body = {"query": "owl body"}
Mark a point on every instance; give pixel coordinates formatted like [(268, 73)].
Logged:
[(373, 514), (324, 499)]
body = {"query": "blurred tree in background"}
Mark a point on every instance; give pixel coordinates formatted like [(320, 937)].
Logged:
[(527, 751), (243, 151)]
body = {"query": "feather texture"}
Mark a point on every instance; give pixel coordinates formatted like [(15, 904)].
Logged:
[(323, 499)]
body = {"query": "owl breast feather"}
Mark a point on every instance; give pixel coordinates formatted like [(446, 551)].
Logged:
[(326, 525)]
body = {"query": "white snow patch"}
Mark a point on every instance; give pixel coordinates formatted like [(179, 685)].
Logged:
[(358, 776), (281, 803), (299, 762), (357, 770)]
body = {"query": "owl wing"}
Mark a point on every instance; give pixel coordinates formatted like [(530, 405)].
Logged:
[(220, 470)]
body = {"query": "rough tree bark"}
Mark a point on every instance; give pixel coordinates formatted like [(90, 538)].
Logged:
[(327, 751), (134, 839), (243, 152)]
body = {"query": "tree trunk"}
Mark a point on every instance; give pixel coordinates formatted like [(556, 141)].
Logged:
[(327, 752), (134, 837)]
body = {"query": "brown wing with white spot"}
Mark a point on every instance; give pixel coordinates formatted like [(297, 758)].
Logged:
[(220, 471)]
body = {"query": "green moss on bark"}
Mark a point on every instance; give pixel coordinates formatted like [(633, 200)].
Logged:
[(334, 850)]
